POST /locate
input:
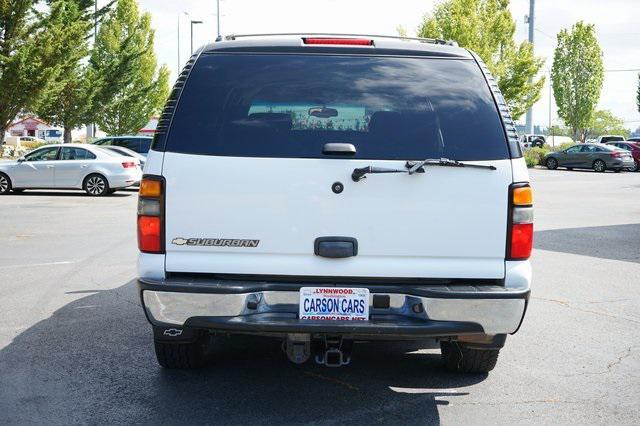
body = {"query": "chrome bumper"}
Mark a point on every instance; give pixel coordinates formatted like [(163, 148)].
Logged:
[(493, 310)]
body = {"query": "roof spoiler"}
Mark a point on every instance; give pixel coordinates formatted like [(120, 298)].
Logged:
[(420, 39)]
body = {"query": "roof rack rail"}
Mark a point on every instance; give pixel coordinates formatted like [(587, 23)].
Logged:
[(420, 39)]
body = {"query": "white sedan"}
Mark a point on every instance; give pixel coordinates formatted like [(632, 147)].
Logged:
[(70, 166)]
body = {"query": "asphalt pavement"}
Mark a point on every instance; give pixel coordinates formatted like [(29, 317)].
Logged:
[(75, 346)]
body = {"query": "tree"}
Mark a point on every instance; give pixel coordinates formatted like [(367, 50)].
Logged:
[(133, 89), (487, 28), (559, 130), (71, 105), (603, 122), (33, 53), (577, 76)]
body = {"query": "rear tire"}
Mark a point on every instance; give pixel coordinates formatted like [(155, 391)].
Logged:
[(5, 184), (636, 166), (461, 359), (599, 166), (183, 356), (96, 185), (551, 163)]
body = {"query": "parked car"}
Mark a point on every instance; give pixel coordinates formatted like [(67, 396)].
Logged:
[(633, 148), (609, 138), (598, 157), (529, 141), (71, 166), (126, 152), (401, 211), (139, 144), (53, 136), (634, 139)]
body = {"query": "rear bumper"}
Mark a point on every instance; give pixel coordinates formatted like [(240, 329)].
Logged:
[(272, 308), (621, 163), (124, 180)]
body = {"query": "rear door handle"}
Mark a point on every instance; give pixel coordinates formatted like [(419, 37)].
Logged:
[(84, 166), (339, 148), (50, 166), (336, 247)]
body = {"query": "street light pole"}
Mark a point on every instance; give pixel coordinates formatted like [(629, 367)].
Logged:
[(178, 45), (192, 23), (531, 21), (91, 127), (95, 20), (180, 15), (218, 15)]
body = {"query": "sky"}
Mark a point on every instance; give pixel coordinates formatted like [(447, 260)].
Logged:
[(616, 25)]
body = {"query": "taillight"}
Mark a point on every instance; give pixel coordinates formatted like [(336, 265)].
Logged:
[(151, 215), (520, 232), (128, 164), (340, 41), (616, 154)]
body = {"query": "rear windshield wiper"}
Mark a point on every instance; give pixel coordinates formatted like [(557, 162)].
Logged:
[(418, 166), (359, 174), (414, 167)]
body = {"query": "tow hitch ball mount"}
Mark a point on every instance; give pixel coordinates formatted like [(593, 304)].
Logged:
[(329, 351)]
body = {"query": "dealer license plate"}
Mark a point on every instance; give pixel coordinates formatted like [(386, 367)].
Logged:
[(337, 304)]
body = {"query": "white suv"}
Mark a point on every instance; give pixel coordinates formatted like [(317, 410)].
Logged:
[(326, 190)]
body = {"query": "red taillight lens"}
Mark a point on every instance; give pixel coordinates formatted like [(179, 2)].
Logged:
[(149, 235), (521, 241), (616, 154), (341, 41), (128, 164), (151, 215)]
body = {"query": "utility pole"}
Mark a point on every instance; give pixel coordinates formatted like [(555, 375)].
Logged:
[(530, 19)]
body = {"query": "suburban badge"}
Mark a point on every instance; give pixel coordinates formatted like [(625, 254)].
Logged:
[(215, 242)]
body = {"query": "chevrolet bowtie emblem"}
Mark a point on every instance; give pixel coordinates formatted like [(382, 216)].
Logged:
[(179, 241)]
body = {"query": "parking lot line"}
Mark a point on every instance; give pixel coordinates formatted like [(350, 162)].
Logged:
[(24, 265)]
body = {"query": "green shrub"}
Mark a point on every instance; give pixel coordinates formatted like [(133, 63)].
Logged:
[(539, 153), (530, 159), (535, 156), (32, 145)]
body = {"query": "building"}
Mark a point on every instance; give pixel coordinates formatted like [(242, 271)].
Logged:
[(32, 126), (150, 128), (537, 130)]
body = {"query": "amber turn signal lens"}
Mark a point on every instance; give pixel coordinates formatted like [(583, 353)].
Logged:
[(522, 196), (150, 188)]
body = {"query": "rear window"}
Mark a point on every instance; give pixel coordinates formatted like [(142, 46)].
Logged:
[(292, 105), (145, 145), (611, 139)]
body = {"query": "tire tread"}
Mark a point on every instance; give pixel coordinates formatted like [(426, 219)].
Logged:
[(183, 356), (462, 359)]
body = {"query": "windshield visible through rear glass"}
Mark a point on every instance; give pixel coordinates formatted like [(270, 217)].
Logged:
[(290, 106)]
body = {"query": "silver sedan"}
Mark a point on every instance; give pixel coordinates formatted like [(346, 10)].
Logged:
[(70, 166)]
